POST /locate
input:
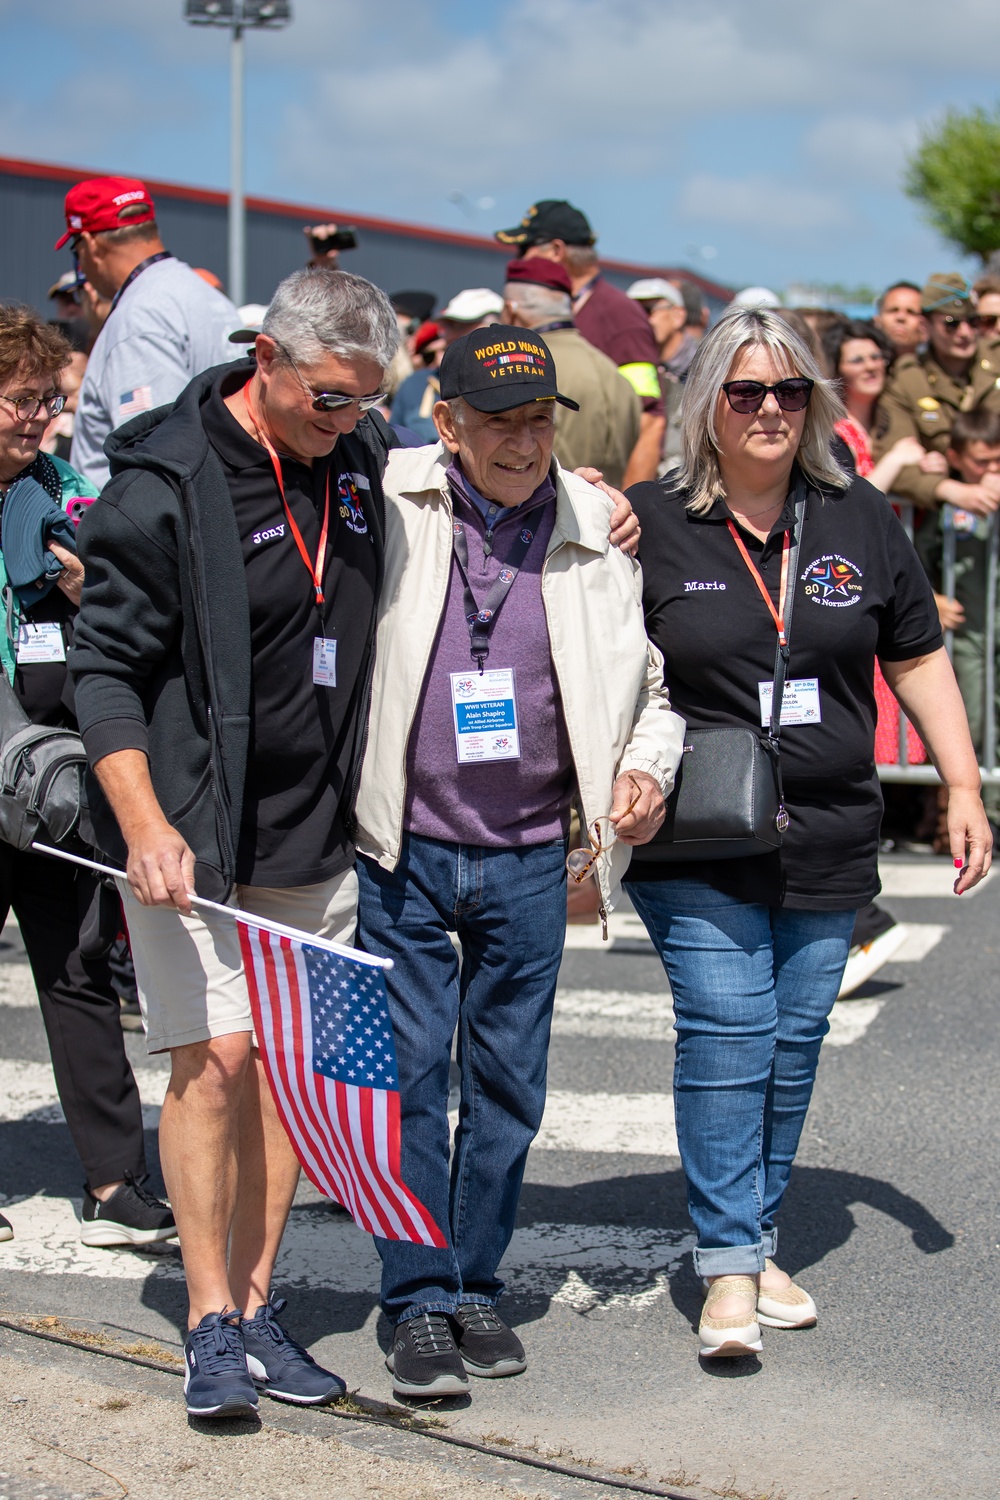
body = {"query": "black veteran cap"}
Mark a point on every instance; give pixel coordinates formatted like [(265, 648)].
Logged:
[(549, 219), (498, 367)]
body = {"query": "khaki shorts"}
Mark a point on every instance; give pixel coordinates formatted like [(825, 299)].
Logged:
[(190, 970)]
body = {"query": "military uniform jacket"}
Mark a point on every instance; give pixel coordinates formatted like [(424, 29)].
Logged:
[(921, 400)]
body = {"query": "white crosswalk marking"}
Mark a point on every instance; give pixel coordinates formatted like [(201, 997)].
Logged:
[(926, 878), (17, 988), (647, 1016), (580, 1265)]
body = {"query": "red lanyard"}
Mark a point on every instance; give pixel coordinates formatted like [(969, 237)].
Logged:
[(777, 615), (316, 569)]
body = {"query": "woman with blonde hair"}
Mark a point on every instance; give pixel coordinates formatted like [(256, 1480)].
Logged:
[(763, 559)]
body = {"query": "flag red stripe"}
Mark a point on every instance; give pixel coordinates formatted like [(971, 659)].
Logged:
[(319, 1110), (269, 1029), (373, 1126), (346, 1136)]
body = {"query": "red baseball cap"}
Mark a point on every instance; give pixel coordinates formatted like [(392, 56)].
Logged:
[(541, 272), (97, 204)]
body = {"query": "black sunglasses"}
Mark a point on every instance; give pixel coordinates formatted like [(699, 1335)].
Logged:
[(746, 396), (332, 400)]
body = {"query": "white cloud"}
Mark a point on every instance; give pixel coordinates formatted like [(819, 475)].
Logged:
[(861, 148), (760, 204)]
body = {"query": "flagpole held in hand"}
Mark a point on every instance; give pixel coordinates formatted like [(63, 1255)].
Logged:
[(322, 1027), (230, 911)]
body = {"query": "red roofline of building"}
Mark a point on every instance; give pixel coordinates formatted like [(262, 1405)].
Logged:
[(15, 167)]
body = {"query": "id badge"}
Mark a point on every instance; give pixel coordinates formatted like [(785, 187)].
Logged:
[(324, 662), (799, 702), (38, 643), (484, 708)]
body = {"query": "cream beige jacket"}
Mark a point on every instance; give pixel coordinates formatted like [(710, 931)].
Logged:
[(618, 715)]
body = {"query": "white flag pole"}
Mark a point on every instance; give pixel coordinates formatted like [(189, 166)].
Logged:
[(234, 913)]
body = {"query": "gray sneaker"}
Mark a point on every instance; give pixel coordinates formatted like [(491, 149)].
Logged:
[(487, 1347), (424, 1360)]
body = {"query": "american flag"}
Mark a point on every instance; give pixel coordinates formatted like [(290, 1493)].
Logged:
[(323, 1030), (130, 403)]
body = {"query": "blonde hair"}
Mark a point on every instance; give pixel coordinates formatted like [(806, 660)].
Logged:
[(745, 327)]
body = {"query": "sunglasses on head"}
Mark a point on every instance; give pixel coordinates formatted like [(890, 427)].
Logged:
[(746, 396)]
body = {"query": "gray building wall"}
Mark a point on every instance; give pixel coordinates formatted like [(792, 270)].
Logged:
[(193, 225)]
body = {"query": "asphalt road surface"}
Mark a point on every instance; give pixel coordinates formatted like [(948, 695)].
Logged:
[(890, 1222)]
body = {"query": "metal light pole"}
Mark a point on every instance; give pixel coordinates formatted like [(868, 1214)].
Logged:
[(238, 16)]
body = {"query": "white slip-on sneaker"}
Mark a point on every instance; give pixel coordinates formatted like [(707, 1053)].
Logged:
[(729, 1338), (790, 1308)]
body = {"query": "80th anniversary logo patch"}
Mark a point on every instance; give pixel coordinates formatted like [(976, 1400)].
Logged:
[(834, 581)]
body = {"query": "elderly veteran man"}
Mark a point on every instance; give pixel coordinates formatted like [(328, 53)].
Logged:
[(557, 231), (222, 662), (603, 431), (958, 371), (513, 675)]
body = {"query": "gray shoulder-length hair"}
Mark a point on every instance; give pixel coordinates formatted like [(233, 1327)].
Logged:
[(699, 472), (319, 311)]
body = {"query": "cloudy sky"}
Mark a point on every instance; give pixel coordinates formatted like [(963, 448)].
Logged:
[(758, 142)]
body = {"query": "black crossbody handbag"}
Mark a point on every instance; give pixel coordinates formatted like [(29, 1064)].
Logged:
[(728, 799)]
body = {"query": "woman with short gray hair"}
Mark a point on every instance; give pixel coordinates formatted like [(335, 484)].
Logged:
[(754, 937)]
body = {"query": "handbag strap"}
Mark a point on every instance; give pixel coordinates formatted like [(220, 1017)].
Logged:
[(781, 655)]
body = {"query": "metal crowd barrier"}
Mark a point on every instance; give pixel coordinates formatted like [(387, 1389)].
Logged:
[(989, 770)]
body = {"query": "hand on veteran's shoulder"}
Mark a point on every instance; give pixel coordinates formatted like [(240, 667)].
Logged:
[(625, 530)]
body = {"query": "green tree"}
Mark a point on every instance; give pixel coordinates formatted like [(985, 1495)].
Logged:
[(955, 174)]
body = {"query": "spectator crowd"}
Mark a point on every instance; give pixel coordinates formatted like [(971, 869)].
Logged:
[(271, 562)]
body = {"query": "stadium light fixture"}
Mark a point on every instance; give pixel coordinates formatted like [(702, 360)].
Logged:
[(237, 16)]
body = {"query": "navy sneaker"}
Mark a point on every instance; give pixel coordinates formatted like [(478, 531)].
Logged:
[(216, 1383), (280, 1366)]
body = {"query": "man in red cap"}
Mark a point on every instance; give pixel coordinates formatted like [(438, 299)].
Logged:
[(556, 231), (604, 432), (166, 323)]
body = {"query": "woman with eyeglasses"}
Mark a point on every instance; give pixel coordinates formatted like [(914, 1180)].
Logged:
[(859, 355), (50, 899), (759, 538)]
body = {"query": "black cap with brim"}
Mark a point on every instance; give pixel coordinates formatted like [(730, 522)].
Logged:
[(549, 219), (497, 368)]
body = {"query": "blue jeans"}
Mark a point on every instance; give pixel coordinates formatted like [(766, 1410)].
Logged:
[(753, 989), (508, 906)]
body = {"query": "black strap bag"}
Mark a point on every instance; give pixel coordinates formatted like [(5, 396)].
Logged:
[(728, 801), (41, 779)]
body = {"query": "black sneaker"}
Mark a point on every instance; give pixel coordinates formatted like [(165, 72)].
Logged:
[(280, 1366), (216, 1380), (485, 1344), (6, 1231), (131, 1216), (423, 1358)]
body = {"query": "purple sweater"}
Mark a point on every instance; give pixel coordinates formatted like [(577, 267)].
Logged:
[(502, 804)]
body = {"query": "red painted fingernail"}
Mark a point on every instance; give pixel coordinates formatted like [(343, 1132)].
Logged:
[(958, 863)]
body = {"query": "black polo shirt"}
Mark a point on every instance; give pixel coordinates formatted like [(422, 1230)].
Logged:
[(860, 593), (301, 734)]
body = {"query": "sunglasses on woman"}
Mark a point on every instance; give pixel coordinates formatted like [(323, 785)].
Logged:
[(746, 396)]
